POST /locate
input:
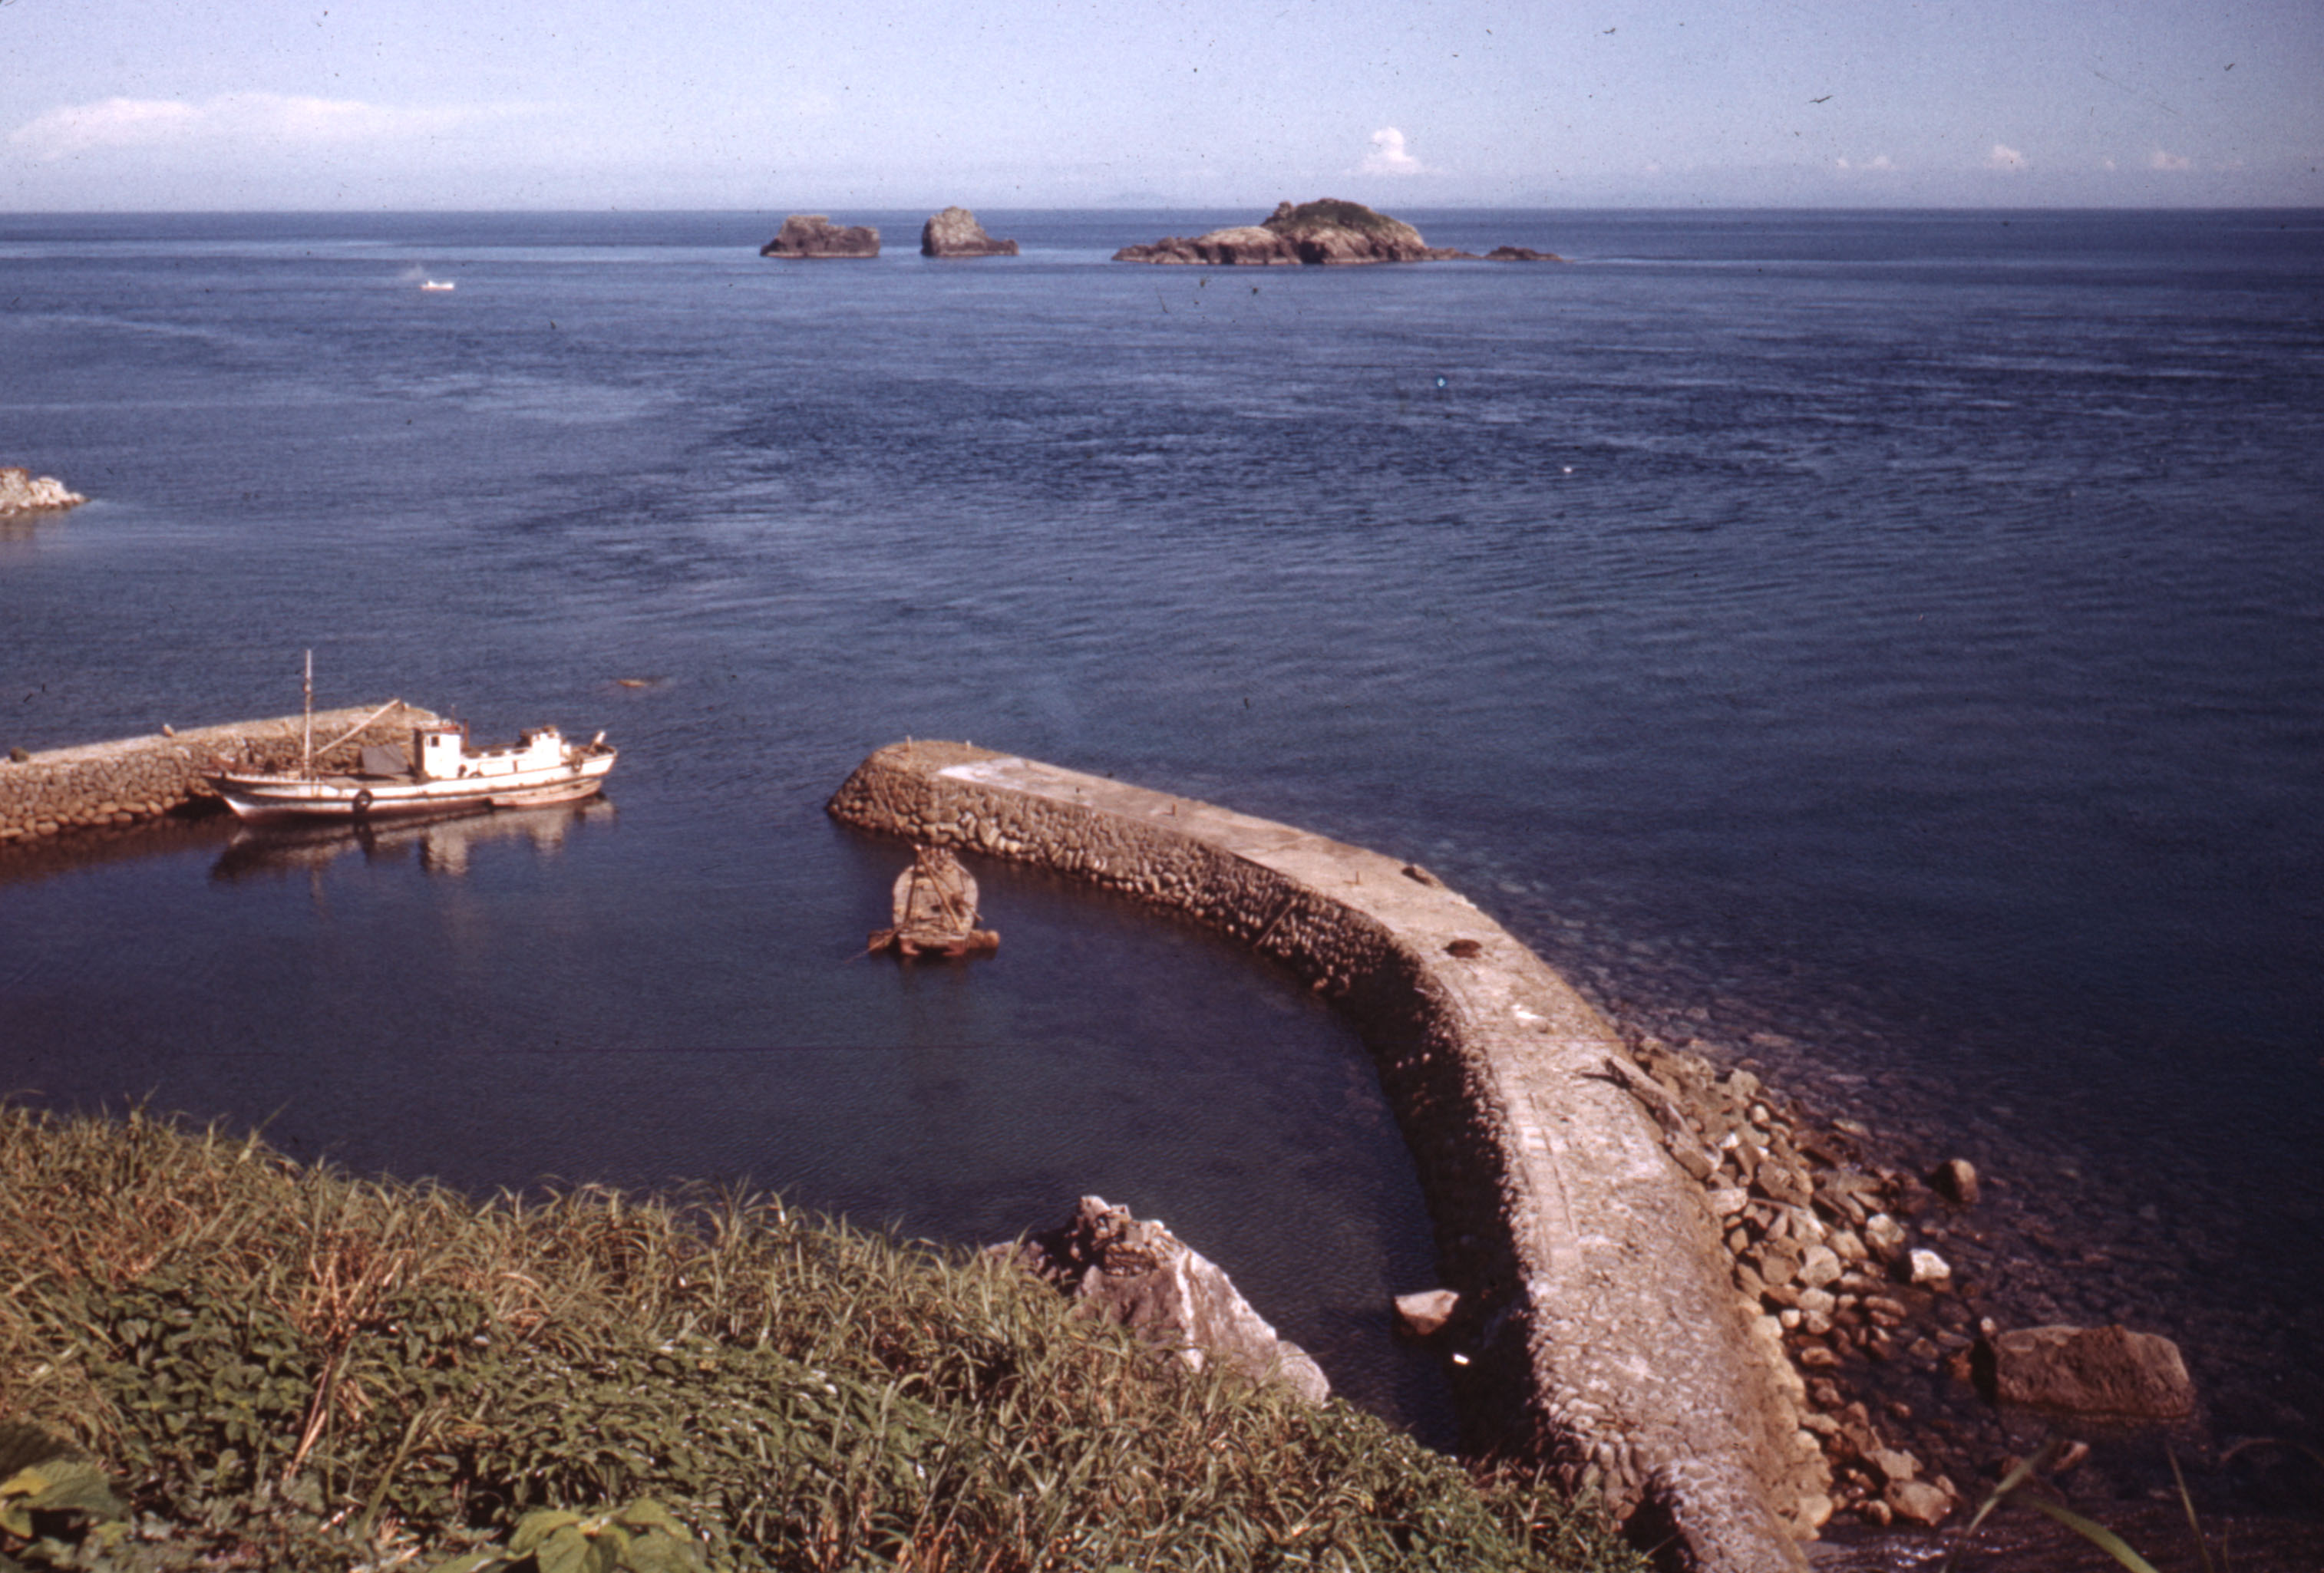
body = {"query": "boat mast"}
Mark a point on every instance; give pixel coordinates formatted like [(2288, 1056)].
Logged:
[(306, 738)]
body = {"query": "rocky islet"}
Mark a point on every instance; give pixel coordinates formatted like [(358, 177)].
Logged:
[(21, 492), (1327, 233), (811, 236), (954, 233)]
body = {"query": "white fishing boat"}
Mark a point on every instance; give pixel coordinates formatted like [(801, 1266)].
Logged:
[(437, 285), (441, 773)]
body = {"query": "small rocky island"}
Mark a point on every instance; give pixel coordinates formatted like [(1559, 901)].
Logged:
[(954, 233), (1329, 232), (812, 235), (20, 492)]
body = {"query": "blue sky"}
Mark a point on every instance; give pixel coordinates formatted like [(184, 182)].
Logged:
[(1237, 104)]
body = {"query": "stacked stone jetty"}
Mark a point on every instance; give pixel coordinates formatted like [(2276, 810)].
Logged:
[(1598, 1328), (121, 782)]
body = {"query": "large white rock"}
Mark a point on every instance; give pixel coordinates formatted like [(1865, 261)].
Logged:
[(1146, 1278), (20, 493)]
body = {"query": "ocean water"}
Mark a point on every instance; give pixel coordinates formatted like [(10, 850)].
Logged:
[(1886, 647)]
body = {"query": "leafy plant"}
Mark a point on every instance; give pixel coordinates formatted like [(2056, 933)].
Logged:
[(44, 1486), (641, 1538)]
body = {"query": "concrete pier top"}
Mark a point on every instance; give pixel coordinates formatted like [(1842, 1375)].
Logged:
[(1600, 1329)]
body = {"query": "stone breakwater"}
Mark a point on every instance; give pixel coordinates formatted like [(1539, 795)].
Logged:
[(118, 783), (1599, 1327)]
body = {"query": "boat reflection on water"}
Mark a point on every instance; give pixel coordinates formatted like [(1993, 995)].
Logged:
[(441, 843)]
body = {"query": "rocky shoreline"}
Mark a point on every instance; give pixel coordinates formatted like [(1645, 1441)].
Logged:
[(2054, 1238)]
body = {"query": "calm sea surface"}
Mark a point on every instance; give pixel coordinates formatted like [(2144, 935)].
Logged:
[(1890, 647)]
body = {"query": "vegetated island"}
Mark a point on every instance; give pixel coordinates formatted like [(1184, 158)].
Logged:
[(812, 235), (282, 1366), (1329, 232)]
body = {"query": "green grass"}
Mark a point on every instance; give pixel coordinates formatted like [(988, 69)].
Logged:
[(287, 1367)]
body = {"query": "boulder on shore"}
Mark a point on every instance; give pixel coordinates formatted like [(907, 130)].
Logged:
[(2100, 1373), (20, 492), (1143, 1276), (954, 233), (1329, 232), (813, 235)]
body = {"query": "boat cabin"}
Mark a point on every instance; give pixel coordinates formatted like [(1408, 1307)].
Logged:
[(444, 755)]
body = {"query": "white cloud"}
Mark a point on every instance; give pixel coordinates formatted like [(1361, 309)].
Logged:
[(2163, 161), (2005, 157), (260, 119), (1881, 161), (1388, 156)]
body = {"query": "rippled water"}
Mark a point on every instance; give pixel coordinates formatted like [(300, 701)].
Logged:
[(1898, 637)]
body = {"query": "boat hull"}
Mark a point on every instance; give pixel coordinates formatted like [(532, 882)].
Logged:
[(270, 795)]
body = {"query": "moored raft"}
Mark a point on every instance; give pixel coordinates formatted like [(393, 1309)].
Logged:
[(935, 910)]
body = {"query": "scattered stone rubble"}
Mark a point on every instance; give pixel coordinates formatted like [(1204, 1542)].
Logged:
[(1820, 1255), (1826, 1242), (21, 492), (1138, 1273)]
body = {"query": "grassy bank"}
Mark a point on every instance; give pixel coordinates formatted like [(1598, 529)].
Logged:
[(286, 1368)]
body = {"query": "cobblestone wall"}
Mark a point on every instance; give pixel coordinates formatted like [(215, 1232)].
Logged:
[(118, 783)]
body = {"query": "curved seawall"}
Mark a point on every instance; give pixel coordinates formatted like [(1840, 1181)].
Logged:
[(1599, 1324)]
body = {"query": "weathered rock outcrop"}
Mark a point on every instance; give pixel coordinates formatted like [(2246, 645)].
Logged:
[(1145, 1278), (20, 492), (814, 236), (954, 233), (1510, 254), (1326, 231)]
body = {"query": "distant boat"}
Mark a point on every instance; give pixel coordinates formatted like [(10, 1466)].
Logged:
[(441, 774), (439, 284)]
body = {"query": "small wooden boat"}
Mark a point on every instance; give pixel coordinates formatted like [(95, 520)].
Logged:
[(441, 774), (935, 910)]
